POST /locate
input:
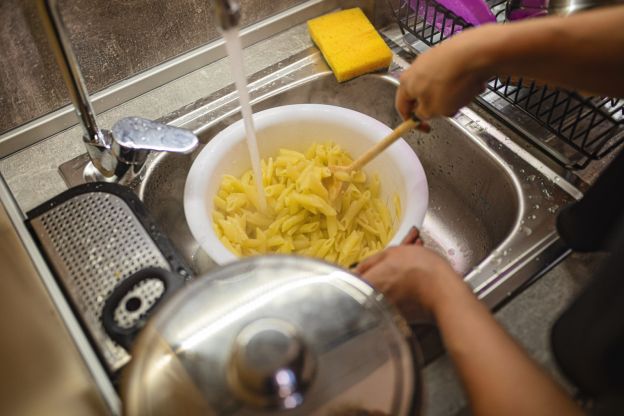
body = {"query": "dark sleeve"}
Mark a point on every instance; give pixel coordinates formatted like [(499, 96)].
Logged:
[(588, 225), (588, 339)]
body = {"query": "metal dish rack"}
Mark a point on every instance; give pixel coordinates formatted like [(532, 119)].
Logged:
[(579, 129)]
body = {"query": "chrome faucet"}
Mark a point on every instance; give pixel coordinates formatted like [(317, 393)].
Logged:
[(118, 154), (227, 13)]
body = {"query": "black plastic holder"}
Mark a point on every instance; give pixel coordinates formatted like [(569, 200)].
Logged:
[(580, 128)]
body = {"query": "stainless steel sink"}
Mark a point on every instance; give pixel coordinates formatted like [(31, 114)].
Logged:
[(492, 204)]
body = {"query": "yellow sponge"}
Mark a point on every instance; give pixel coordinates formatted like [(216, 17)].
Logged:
[(350, 44)]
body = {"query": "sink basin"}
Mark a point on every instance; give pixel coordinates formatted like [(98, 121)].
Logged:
[(492, 205)]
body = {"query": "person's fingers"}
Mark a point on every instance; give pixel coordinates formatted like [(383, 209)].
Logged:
[(369, 262), (422, 110), (412, 236), (403, 103), (380, 275)]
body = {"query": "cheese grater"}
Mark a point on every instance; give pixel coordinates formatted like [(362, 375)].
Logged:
[(94, 236)]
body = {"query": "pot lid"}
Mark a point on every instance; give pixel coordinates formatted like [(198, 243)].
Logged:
[(274, 334)]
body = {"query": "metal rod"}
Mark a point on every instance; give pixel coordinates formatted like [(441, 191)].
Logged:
[(587, 131), (541, 101), (529, 95), (68, 65), (444, 20), (552, 107), (613, 132), (507, 82), (517, 92)]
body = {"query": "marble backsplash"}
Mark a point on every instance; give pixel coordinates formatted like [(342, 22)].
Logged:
[(113, 40)]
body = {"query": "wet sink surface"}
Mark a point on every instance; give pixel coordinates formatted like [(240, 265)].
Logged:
[(492, 206)]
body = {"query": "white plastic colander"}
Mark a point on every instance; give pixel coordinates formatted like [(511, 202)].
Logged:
[(296, 127)]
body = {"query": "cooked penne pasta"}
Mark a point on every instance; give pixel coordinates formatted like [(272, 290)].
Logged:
[(300, 217)]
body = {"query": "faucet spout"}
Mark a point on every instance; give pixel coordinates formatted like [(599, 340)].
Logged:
[(120, 154), (228, 14), (68, 64)]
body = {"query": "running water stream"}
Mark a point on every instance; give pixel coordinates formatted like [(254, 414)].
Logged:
[(235, 51)]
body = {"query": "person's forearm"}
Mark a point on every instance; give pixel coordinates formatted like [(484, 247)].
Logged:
[(499, 377), (583, 51)]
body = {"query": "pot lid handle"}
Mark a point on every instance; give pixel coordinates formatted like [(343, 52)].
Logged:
[(270, 365)]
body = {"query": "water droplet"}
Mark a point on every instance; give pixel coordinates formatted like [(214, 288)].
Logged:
[(553, 209), (527, 231), (536, 206), (521, 170), (532, 217), (547, 193), (531, 178)]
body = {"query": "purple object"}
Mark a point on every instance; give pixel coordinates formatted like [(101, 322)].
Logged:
[(524, 13), (522, 9), (474, 12)]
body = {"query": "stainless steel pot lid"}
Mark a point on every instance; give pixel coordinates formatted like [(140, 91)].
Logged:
[(274, 334)]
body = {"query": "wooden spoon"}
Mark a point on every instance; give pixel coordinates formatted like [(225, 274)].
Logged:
[(379, 147), (409, 124)]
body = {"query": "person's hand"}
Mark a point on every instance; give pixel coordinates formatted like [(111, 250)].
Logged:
[(415, 279), (446, 77)]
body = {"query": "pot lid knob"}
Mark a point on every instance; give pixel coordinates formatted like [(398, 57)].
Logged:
[(270, 365)]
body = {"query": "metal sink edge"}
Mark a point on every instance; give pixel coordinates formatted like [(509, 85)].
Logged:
[(526, 252)]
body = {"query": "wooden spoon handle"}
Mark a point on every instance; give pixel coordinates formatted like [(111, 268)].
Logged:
[(371, 153)]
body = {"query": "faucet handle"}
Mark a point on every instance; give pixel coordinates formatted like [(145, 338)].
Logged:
[(136, 134)]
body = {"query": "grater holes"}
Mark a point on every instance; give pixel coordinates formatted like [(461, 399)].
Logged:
[(96, 242)]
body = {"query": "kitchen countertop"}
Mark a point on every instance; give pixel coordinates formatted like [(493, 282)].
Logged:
[(32, 176), (42, 371), (528, 318)]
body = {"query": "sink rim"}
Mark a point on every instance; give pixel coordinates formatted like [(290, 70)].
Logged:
[(500, 273)]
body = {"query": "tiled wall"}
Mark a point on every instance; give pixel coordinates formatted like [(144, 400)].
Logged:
[(113, 40)]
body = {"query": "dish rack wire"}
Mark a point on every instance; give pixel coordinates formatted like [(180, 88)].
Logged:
[(579, 128)]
